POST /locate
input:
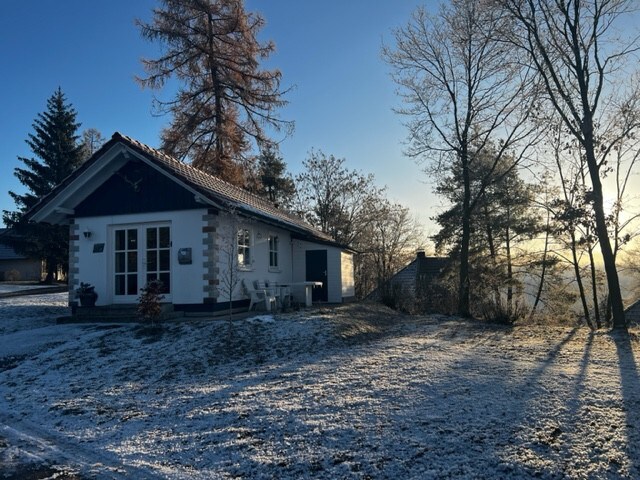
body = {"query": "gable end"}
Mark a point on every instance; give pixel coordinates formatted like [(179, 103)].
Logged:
[(136, 188)]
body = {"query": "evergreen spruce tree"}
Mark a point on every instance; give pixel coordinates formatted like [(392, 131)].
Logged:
[(57, 152), (275, 183)]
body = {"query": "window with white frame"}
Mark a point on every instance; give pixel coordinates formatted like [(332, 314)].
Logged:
[(244, 247), (274, 243)]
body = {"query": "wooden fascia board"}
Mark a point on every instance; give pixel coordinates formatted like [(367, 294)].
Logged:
[(199, 196), (79, 188), (85, 183), (307, 237)]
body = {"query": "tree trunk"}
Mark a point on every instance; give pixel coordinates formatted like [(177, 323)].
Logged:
[(493, 254), (544, 268), (613, 282), (509, 274), (576, 269), (464, 289), (594, 287), (217, 98)]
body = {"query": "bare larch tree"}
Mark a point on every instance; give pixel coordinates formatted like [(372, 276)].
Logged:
[(226, 100)]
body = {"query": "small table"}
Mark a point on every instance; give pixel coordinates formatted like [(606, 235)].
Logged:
[(308, 287)]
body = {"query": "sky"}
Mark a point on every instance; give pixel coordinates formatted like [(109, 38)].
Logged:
[(341, 99)]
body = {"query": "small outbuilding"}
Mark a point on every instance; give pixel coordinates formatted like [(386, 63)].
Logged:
[(15, 266), (418, 281), (136, 215)]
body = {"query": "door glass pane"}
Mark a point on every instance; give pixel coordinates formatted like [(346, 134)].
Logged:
[(132, 261), (132, 284), (164, 260), (165, 278), (152, 260), (120, 285), (119, 239), (158, 255), (120, 262), (132, 239), (165, 240), (126, 262), (152, 238)]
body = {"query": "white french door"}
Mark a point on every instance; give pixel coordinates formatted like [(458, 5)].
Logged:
[(141, 253)]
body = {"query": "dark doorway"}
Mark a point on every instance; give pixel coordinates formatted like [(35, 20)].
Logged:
[(317, 272)]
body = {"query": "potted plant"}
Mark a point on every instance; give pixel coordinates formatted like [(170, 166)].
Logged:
[(87, 295)]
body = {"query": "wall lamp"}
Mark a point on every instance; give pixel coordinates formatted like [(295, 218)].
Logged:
[(87, 233)]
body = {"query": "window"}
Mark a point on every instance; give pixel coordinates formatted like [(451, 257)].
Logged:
[(273, 251), (244, 247)]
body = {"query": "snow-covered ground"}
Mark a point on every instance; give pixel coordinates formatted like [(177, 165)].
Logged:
[(16, 287), (352, 392)]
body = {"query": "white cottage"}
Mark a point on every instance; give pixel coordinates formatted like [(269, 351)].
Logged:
[(136, 214)]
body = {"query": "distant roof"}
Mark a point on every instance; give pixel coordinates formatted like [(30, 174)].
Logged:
[(210, 186), (423, 268), (7, 252)]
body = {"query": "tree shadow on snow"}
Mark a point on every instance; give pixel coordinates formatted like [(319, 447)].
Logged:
[(630, 386)]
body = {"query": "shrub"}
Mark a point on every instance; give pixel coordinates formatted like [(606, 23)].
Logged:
[(397, 297), (149, 308), (12, 276), (498, 312)]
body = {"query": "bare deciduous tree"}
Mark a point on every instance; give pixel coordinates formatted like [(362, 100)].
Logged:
[(461, 93), (576, 49), (333, 198), (227, 244), (386, 245)]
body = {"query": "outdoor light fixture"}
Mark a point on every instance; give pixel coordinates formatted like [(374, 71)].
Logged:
[(87, 233)]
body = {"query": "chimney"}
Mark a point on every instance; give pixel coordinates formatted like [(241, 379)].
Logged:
[(420, 254)]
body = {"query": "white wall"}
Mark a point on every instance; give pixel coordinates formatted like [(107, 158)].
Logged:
[(334, 269), (348, 275), (186, 231), (259, 268)]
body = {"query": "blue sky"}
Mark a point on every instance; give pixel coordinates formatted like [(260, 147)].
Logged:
[(328, 50)]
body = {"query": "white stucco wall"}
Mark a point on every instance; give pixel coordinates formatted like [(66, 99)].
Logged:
[(187, 282), (348, 275), (334, 269), (259, 268), (186, 231)]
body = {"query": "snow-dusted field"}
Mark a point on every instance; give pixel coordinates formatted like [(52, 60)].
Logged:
[(355, 392)]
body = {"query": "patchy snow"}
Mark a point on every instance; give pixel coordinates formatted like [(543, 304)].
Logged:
[(17, 287), (352, 392)]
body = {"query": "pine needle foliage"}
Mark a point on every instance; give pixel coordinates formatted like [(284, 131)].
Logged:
[(57, 153)]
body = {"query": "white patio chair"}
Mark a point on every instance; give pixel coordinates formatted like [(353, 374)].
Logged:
[(258, 296), (271, 289), (283, 294)]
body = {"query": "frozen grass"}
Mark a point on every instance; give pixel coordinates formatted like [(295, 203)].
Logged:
[(352, 392)]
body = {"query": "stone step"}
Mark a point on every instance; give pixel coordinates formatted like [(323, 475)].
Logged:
[(119, 313)]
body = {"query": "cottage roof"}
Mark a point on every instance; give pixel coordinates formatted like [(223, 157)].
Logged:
[(209, 186)]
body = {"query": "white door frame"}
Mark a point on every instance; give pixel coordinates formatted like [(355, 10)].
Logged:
[(141, 260)]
